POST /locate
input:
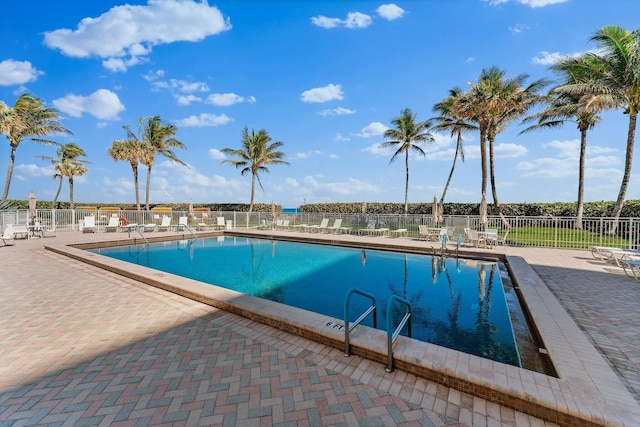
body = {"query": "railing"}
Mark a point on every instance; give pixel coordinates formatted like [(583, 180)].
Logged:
[(348, 328), (392, 334), (543, 231)]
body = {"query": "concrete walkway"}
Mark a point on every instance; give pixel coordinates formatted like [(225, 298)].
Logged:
[(81, 346)]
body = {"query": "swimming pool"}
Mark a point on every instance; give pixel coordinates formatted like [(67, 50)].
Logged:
[(456, 303)]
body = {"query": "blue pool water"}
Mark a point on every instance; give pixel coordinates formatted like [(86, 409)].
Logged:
[(456, 303)]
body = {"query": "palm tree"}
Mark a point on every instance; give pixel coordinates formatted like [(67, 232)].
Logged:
[(447, 120), (29, 118), (72, 166), (128, 150), (156, 138), (67, 155), (491, 104), (255, 155), (566, 107), (613, 72), (406, 136)]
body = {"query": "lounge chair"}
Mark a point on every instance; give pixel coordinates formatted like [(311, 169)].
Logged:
[(182, 223), (284, 225), (337, 225), (165, 224), (371, 225), (631, 264), (399, 232), (20, 232), (149, 227), (220, 224), (7, 235), (89, 224), (319, 227), (113, 225)]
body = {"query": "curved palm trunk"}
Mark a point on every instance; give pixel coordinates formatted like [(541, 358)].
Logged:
[(71, 191), (148, 186), (453, 166), (406, 185), (7, 183), (580, 204), (55, 199), (631, 135), (494, 191)]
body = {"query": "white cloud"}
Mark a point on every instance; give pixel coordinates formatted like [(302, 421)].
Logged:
[(125, 34), (340, 111), (226, 99), (215, 154), (187, 99), (102, 104), (518, 28), (33, 170), (327, 191), (551, 58), (353, 20), (372, 129), (508, 150), (322, 94), (340, 137), (17, 72), (204, 119), (531, 3), (325, 22), (390, 11)]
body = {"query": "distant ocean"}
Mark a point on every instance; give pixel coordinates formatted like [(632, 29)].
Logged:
[(291, 211)]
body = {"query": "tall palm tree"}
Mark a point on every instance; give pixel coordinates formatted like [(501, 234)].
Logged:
[(256, 154), (614, 80), (491, 104), (449, 121), (406, 136), (28, 119), (567, 107), (67, 155), (72, 166), (128, 150), (156, 138)]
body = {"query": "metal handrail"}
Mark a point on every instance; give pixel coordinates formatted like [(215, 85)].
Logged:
[(348, 328), (187, 228), (392, 335)]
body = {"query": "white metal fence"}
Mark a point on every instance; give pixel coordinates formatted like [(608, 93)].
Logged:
[(544, 231)]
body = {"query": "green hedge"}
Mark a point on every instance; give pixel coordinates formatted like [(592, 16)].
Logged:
[(591, 209)]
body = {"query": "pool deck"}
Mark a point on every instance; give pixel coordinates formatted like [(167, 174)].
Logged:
[(85, 346)]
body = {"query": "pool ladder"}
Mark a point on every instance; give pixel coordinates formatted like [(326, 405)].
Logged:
[(392, 334), (186, 227)]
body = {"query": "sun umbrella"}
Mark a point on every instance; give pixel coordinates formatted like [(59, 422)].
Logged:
[(192, 213), (273, 210), (32, 206), (363, 210), (440, 212), (483, 212), (434, 211)]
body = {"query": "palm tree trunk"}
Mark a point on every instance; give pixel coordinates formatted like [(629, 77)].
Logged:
[(148, 186), (55, 199), (494, 191), (253, 189), (483, 158), (406, 185), (71, 191), (580, 204), (135, 184), (631, 135), (7, 183), (453, 166)]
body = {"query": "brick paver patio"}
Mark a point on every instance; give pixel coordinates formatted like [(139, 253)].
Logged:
[(81, 346)]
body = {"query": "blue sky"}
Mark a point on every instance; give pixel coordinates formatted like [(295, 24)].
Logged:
[(324, 77)]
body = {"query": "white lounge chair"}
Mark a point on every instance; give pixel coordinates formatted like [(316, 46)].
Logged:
[(165, 224), (149, 227), (319, 227), (89, 224), (113, 225), (7, 235), (337, 225), (220, 223), (182, 223)]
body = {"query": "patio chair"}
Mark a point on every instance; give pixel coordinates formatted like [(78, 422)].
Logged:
[(7, 235), (165, 224), (371, 225), (337, 225), (475, 239), (319, 227), (113, 225), (220, 225), (149, 227), (89, 224)]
